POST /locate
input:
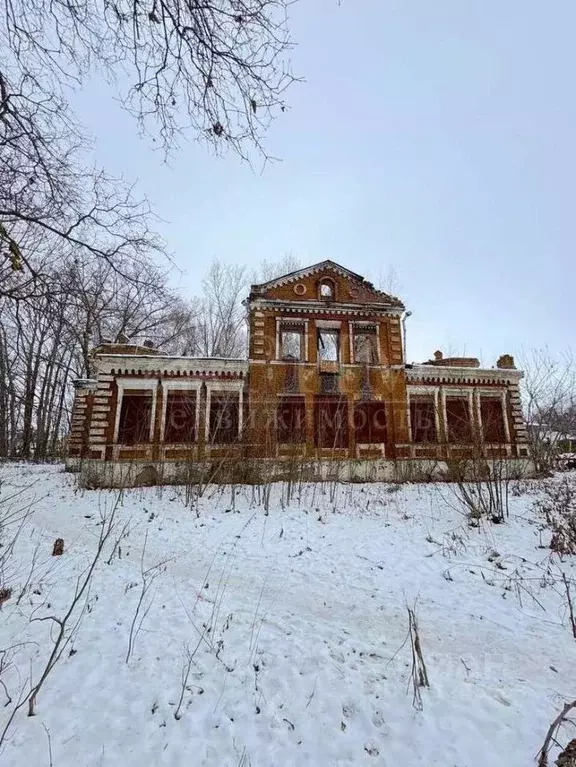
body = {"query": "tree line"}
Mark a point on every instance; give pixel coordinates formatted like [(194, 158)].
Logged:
[(79, 251), (46, 341)]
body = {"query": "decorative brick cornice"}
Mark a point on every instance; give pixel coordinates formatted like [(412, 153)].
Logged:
[(319, 307), (459, 375), (172, 366), (84, 383), (322, 267)]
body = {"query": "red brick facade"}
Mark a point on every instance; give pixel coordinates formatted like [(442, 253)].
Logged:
[(325, 378)]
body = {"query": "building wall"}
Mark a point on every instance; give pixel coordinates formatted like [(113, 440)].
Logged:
[(267, 378), (156, 375), (299, 300)]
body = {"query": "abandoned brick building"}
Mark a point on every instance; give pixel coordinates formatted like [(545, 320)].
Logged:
[(325, 382)]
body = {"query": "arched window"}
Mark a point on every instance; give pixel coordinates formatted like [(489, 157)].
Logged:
[(326, 291)]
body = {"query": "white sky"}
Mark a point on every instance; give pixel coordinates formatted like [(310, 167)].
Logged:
[(434, 138)]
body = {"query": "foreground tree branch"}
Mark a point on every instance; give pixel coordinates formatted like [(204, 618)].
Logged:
[(550, 735), (218, 67), (216, 70)]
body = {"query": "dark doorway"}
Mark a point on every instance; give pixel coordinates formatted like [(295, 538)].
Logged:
[(180, 425), (224, 417), (291, 420), (135, 415), (370, 422), (331, 422)]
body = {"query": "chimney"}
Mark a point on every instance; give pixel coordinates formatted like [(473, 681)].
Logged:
[(506, 361), (438, 355)]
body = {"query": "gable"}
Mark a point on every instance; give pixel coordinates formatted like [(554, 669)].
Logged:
[(304, 285)]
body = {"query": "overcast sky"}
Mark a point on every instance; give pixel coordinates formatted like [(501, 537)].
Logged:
[(436, 138)]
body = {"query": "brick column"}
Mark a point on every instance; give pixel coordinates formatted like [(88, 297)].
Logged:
[(201, 425), (81, 415), (100, 424), (518, 431)]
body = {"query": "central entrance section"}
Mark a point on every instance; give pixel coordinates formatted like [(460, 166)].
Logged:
[(331, 421)]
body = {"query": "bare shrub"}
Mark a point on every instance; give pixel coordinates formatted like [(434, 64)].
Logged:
[(570, 603), (148, 575), (418, 673), (418, 670), (482, 487), (186, 670), (558, 508), (15, 510), (68, 624)]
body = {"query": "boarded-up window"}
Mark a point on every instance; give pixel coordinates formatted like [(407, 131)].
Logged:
[(180, 424), (331, 422), (370, 422), (291, 420), (328, 345), (492, 419), (458, 420), (423, 420), (365, 346), (224, 417), (135, 415)]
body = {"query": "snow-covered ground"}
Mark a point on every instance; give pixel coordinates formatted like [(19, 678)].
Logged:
[(295, 621)]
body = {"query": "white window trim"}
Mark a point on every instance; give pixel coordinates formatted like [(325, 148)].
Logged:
[(496, 395), (179, 385), (353, 326), (456, 393), (135, 383), (290, 321), (219, 386), (278, 323), (428, 391), (329, 325)]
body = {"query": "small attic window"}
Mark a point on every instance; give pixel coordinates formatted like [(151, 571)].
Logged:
[(326, 290)]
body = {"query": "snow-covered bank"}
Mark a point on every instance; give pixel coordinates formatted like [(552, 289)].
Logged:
[(296, 620)]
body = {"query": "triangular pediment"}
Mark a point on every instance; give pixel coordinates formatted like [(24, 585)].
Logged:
[(303, 285)]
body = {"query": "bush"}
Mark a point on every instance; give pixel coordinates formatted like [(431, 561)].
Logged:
[(559, 510)]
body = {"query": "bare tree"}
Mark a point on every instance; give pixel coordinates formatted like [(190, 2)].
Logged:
[(53, 207), (217, 67), (47, 341), (270, 270), (222, 324), (549, 389), (220, 327)]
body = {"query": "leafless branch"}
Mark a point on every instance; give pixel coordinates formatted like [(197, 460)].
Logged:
[(147, 575), (542, 755)]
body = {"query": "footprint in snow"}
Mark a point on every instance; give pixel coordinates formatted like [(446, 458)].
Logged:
[(371, 748), (348, 709), (500, 698)]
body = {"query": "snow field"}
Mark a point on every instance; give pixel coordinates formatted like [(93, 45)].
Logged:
[(291, 624)]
